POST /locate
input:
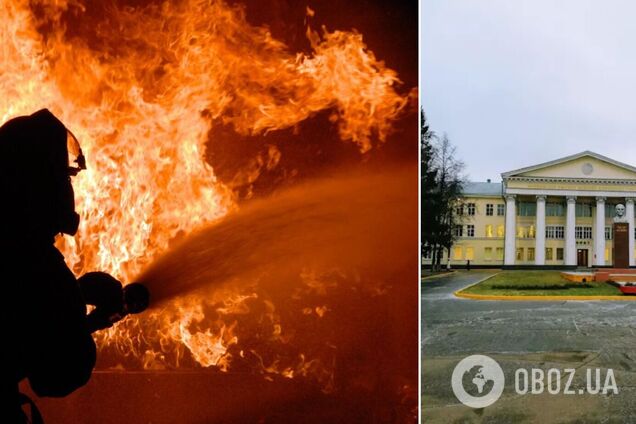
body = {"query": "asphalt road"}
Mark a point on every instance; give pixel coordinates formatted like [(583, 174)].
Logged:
[(568, 334)]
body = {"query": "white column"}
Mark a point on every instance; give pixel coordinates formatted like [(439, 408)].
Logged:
[(629, 210), (570, 241), (511, 230), (539, 246), (599, 232)]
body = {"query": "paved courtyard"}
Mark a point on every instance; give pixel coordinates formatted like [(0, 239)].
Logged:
[(562, 334)]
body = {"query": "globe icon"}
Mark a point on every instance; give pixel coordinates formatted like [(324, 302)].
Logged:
[(477, 381)]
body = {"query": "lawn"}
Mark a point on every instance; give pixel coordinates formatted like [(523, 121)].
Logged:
[(539, 283)]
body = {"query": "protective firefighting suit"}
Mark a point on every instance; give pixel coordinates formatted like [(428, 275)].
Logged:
[(44, 336)]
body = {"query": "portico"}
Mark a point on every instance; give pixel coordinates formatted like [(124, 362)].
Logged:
[(560, 212)]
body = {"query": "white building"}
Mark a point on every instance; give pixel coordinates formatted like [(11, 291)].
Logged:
[(554, 214)]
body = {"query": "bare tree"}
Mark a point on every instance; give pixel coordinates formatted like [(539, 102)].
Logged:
[(428, 186), (450, 184), (441, 193)]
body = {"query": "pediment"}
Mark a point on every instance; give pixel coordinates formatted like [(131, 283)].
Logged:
[(585, 165)]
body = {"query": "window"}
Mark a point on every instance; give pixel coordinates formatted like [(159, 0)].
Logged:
[(608, 233), (525, 232), (527, 209), (554, 209), (559, 253), (470, 230), (584, 233), (554, 231), (531, 253), (500, 209), (500, 253), (459, 231), (457, 253), (489, 209), (548, 253), (460, 210), (519, 253), (488, 253), (426, 254), (489, 232), (471, 209), (549, 232), (470, 253), (583, 209), (500, 231)]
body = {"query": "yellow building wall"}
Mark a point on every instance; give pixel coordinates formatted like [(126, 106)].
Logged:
[(485, 250), (474, 248)]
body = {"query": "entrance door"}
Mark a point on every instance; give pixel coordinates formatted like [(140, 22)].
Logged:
[(581, 257)]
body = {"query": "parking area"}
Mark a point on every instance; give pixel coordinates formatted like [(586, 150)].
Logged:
[(559, 334)]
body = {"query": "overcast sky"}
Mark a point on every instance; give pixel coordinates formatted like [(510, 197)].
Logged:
[(516, 83)]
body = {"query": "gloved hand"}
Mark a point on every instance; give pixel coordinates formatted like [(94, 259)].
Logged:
[(106, 293)]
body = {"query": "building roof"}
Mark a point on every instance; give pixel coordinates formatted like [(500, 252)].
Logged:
[(482, 188), (567, 159)]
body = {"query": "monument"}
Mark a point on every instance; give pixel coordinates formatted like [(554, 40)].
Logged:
[(621, 238)]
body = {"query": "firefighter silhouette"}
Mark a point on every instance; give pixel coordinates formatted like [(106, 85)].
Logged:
[(48, 336)]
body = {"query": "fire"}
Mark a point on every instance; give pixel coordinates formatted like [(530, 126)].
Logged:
[(141, 87)]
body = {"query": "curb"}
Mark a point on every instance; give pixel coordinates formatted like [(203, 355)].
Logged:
[(446, 274), (459, 294), (531, 298)]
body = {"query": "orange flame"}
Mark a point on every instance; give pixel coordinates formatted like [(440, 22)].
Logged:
[(141, 92)]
